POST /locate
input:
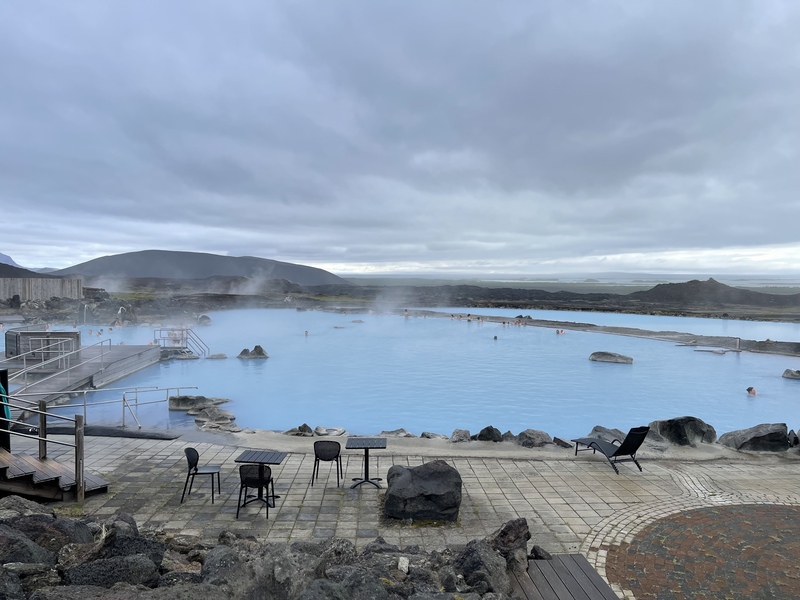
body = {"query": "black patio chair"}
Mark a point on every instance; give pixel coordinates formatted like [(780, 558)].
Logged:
[(255, 477), (626, 448), (193, 457), (327, 450)]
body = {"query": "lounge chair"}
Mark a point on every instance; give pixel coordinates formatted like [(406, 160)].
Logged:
[(627, 447)]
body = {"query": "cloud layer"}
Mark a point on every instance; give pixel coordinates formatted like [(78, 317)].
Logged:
[(452, 136)]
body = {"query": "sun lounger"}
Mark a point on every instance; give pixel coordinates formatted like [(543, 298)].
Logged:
[(624, 452)]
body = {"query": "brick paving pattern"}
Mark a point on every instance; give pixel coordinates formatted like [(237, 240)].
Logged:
[(746, 551)]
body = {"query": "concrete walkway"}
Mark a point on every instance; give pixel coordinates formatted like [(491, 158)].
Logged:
[(572, 504)]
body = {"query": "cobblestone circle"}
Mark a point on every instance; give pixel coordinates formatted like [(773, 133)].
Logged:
[(745, 551)]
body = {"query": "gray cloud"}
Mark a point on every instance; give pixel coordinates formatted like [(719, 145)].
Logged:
[(517, 137)]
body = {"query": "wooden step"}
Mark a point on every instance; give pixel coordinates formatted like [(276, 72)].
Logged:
[(48, 470), (14, 469), (565, 577), (30, 476)]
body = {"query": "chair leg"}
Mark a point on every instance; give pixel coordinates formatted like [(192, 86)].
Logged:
[(190, 481), (338, 469), (185, 483), (636, 462), (239, 501), (212, 488), (266, 492), (314, 470), (613, 466)]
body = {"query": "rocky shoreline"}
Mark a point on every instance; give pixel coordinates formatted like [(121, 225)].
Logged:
[(45, 556)]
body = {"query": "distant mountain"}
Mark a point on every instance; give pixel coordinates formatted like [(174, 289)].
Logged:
[(711, 292), (165, 264), (5, 259)]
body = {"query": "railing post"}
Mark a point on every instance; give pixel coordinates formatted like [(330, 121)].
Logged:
[(42, 430), (5, 426), (79, 483)]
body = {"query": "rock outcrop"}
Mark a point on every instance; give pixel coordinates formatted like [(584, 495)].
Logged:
[(488, 434), (117, 561), (256, 352), (767, 437), (533, 438), (791, 374), (303, 431), (685, 431), (430, 492), (188, 403), (397, 433), (460, 435)]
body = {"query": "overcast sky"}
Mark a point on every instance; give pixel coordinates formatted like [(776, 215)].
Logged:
[(371, 137)]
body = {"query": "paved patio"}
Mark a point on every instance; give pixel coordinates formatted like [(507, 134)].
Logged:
[(572, 504)]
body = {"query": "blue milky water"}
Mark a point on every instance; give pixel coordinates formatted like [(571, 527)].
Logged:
[(438, 374)]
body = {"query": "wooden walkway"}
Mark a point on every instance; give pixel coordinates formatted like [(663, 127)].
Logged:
[(565, 577), (100, 366)]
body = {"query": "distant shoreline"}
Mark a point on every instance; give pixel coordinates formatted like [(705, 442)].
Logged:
[(730, 344)]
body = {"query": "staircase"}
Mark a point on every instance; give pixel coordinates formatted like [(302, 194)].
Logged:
[(48, 479)]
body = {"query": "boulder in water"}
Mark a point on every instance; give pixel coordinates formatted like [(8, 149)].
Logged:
[(213, 414), (194, 402), (256, 352), (611, 357)]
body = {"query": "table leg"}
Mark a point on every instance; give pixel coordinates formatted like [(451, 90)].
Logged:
[(260, 495), (366, 479)]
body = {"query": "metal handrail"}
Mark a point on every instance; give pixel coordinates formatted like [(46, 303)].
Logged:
[(42, 350), (125, 403), (181, 337), (204, 349), (80, 482), (67, 370)]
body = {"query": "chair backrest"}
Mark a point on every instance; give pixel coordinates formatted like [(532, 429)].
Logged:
[(193, 457), (254, 475), (632, 441), (327, 449)]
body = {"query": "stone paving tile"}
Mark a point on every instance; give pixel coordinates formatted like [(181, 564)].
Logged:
[(574, 505)]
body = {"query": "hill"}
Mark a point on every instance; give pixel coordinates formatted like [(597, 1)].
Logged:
[(711, 292), (7, 271), (165, 264)]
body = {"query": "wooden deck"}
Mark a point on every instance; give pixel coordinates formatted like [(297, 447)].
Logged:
[(565, 577)]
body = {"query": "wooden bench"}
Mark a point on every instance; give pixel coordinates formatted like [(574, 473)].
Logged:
[(565, 577)]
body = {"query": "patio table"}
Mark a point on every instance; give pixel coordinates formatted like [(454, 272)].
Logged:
[(261, 458), (367, 444)]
